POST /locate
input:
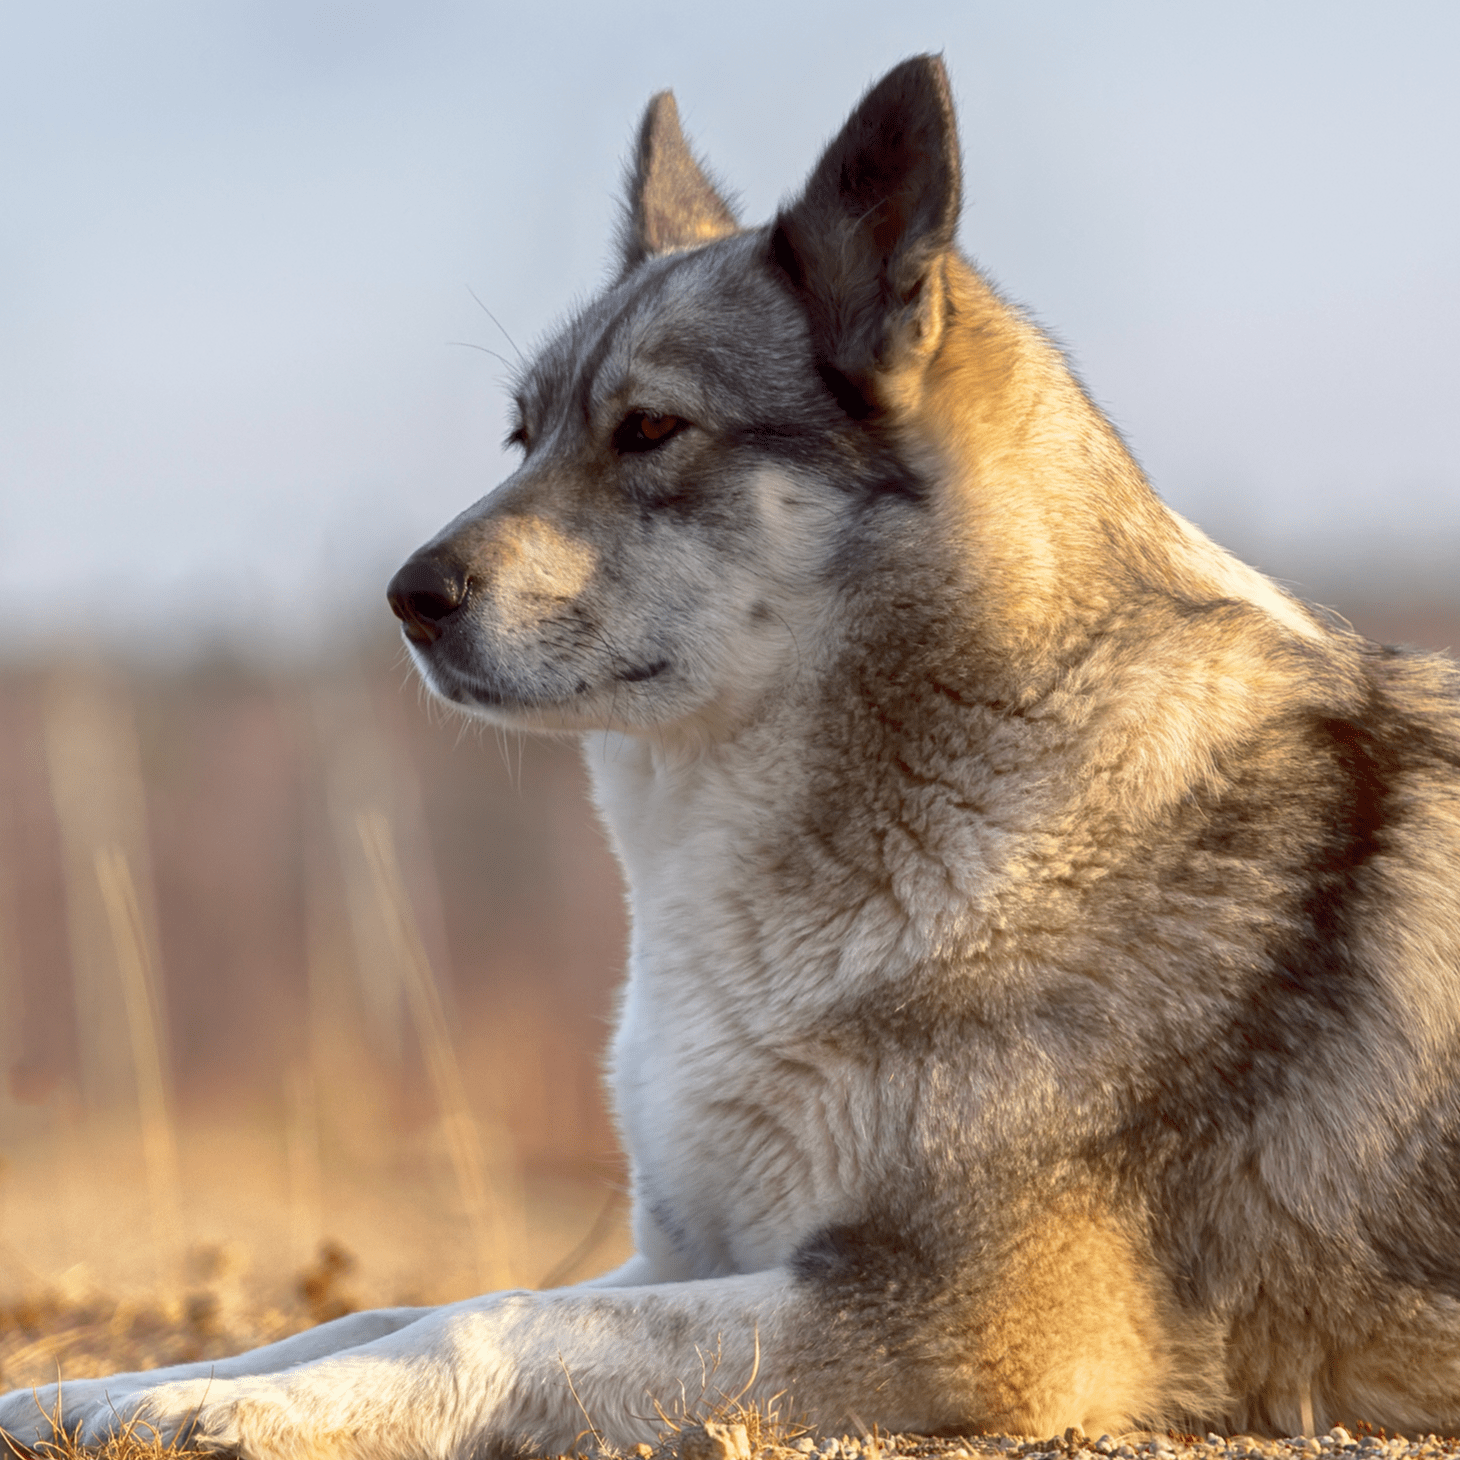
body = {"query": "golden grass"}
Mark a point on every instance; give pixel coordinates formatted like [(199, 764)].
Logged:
[(85, 1334), (133, 1441), (51, 1335)]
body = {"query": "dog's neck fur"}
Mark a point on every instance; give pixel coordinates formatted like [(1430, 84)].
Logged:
[(1040, 486)]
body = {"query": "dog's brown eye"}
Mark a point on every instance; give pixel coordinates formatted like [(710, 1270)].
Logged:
[(644, 430)]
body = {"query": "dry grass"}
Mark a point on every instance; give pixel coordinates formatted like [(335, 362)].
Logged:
[(77, 1296), (73, 1332), (54, 1334), (131, 1442)]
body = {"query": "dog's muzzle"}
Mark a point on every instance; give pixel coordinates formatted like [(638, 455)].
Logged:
[(424, 595)]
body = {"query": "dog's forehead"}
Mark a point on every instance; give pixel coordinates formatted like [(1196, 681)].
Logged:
[(711, 326)]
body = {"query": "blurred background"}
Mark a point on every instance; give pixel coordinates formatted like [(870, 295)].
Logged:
[(303, 987)]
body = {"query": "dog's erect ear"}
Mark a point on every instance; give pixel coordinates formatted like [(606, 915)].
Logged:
[(671, 203), (864, 244)]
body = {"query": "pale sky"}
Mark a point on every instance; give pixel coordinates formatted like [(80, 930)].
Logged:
[(238, 243)]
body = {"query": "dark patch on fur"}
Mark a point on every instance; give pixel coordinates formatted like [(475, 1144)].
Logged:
[(899, 1277), (642, 672), (855, 400), (1416, 1235), (661, 1213), (861, 462), (784, 256)]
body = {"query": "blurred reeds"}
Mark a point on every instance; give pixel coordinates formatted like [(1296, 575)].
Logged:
[(288, 967)]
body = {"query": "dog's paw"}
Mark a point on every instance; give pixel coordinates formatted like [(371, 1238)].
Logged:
[(49, 1411), (256, 1418), (24, 1416)]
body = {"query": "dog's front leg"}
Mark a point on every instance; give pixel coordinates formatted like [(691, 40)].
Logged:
[(34, 1416), (542, 1370)]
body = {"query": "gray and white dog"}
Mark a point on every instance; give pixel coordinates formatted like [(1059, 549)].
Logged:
[(1044, 998)]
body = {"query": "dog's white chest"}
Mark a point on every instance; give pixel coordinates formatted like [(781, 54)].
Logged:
[(746, 1132)]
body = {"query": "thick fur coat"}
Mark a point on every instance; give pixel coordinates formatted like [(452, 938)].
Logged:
[(1044, 998)]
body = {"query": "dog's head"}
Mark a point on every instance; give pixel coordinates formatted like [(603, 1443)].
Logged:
[(711, 446)]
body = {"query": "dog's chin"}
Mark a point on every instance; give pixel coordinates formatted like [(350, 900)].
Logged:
[(482, 694), (565, 708)]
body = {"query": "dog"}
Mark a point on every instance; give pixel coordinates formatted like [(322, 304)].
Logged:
[(1043, 1004)]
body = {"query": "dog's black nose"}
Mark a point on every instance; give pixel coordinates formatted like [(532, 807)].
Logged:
[(425, 593)]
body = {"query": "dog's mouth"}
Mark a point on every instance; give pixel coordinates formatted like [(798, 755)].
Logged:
[(474, 686), (474, 689)]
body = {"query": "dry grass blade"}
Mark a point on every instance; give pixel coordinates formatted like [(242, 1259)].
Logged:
[(463, 1139), (144, 1024), (592, 1428), (132, 1440), (720, 1424)]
